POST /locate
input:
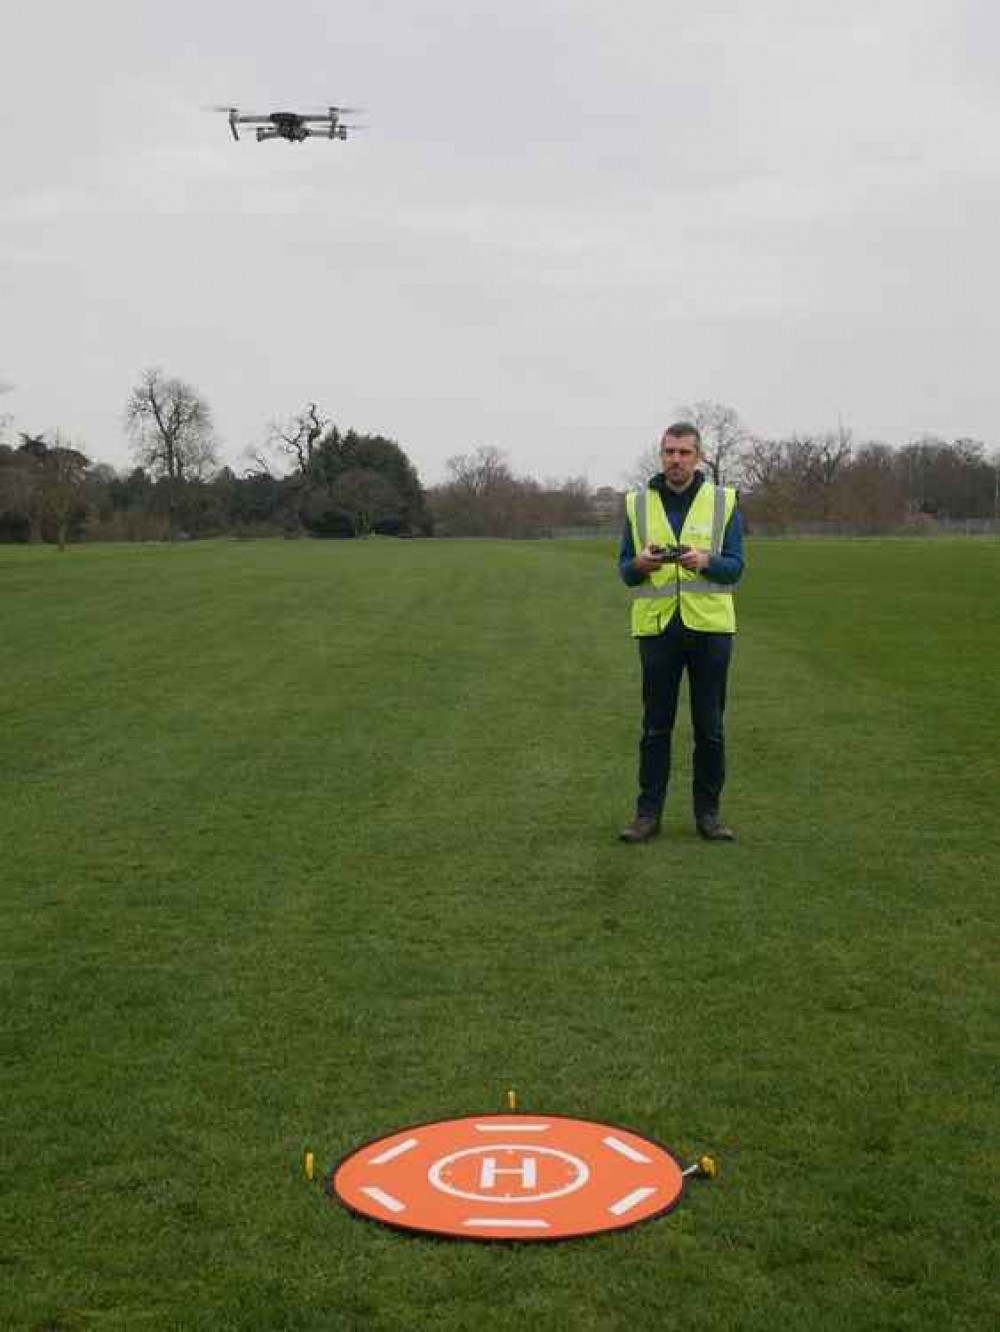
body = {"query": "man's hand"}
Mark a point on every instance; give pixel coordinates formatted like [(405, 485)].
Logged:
[(647, 561), (695, 560)]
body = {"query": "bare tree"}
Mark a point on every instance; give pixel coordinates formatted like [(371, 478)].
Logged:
[(482, 497), (568, 503), (833, 453), (646, 465), (483, 485), (762, 463), (812, 466), (871, 492), (298, 437), (949, 480), (793, 479), (722, 434), (769, 479), (171, 428), (480, 472), (722, 438)]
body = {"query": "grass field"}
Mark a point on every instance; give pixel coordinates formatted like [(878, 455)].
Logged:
[(303, 842)]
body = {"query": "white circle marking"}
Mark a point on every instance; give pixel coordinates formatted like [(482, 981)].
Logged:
[(581, 1168)]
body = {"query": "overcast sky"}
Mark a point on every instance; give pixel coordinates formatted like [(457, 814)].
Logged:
[(566, 218)]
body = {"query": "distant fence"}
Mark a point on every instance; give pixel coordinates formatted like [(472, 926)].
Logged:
[(933, 527)]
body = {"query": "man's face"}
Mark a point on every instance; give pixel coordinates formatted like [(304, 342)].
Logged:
[(679, 456)]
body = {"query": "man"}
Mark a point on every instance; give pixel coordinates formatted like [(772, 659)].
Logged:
[(682, 554)]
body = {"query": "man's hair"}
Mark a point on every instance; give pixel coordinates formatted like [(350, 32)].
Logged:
[(682, 430)]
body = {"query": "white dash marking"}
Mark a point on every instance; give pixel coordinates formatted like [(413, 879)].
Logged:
[(513, 1128), (630, 1200), (508, 1223), (393, 1152), (386, 1199), (624, 1149)]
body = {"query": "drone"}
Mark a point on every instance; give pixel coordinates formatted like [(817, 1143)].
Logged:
[(295, 126)]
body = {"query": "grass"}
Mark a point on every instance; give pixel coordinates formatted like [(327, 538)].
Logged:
[(302, 842)]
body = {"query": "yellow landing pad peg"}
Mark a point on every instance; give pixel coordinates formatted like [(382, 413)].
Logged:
[(309, 1165), (706, 1167), (511, 1099)]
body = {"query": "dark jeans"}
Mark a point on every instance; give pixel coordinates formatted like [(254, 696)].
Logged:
[(664, 660)]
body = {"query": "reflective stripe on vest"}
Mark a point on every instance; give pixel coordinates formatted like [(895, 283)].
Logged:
[(705, 605), (646, 590)]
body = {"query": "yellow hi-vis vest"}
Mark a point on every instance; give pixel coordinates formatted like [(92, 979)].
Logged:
[(703, 604)]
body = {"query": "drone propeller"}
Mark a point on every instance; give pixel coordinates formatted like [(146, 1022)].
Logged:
[(323, 111)]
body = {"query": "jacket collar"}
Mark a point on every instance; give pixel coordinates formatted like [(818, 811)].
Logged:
[(659, 484)]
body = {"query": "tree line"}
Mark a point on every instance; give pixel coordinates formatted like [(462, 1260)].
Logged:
[(833, 481), (309, 478), (312, 478), (830, 482)]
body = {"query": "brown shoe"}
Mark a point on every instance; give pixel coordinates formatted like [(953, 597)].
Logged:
[(713, 829), (641, 829)]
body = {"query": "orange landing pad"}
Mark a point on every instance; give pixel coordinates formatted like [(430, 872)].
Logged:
[(509, 1177)]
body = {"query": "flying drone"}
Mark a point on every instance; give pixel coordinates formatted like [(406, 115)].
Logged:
[(295, 126)]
